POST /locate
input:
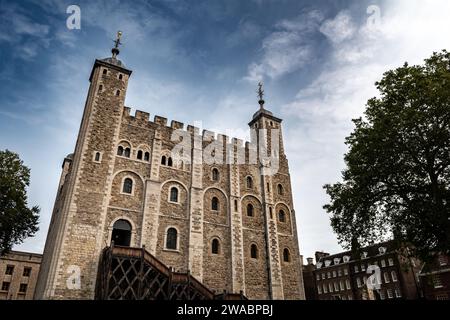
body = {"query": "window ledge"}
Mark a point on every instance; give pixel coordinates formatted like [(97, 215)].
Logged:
[(171, 250)]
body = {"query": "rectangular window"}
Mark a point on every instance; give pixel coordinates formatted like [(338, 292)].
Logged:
[(358, 282), (356, 269), (329, 275), (341, 285), (9, 270), (323, 276), (394, 276), (346, 272), (318, 277), (23, 288), (325, 288), (382, 295), (442, 260), (363, 267), (383, 263), (5, 286), (334, 274), (386, 278), (442, 297), (391, 262), (398, 293), (350, 297), (390, 294), (347, 284), (330, 287), (319, 289), (26, 272), (336, 287), (437, 282), (340, 273)]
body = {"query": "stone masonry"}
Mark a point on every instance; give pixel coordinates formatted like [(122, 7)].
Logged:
[(243, 208)]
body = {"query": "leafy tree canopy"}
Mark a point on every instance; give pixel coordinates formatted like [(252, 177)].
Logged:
[(397, 176), (17, 221)]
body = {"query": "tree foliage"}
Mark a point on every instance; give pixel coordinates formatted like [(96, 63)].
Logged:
[(397, 176), (17, 221)]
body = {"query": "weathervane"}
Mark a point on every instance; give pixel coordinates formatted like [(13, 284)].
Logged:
[(261, 95), (115, 51)]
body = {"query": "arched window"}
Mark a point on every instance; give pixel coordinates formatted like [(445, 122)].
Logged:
[(163, 160), (127, 152), (215, 174), (127, 186), (121, 234), (120, 76), (280, 189), (286, 255), (97, 156), (215, 246), (118, 93), (270, 212), (120, 151), (105, 71), (174, 194), (250, 210), (281, 216), (254, 251), (139, 155), (215, 204), (147, 156), (171, 239), (170, 162), (249, 183)]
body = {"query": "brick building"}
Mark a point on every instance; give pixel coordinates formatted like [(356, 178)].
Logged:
[(230, 223), (308, 279), (18, 275), (435, 278), (344, 276)]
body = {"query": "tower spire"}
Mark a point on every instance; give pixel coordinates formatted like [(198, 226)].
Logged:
[(115, 51), (261, 95)]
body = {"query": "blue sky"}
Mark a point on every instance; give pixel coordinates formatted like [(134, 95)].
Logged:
[(200, 61)]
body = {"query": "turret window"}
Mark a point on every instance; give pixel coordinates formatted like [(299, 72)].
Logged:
[(139, 155), (127, 152), (254, 251), (100, 88), (172, 239), (280, 189), (250, 210), (118, 93), (286, 255), (174, 195), (105, 71), (120, 151), (281, 216), (249, 183), (170, 162), (120, 76), (163, 160), (215, 174), (127, 186), (215, 204), (215, 246), (147, 156)]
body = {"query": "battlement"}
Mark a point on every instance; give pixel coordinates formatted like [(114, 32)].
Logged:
[(142, 119)]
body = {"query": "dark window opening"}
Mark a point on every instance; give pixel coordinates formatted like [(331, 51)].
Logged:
[(215, 174), (23, 288), (249, 182), (127, 186), (120, 76), (147, 156), (5, 286), (26, 272), (139, 155), (280, 189), (100, 88), (163, 160), (250, 210), (174, 194), (105, 71), (121, 234), (171, 240), (215, 204), (215, 246), (281, 216), (170, 162), (254, 251), (127, 152), (9, 270), (120, 151), (235, 205), (286, 255), (118, 93), (97, 156), (270, 212)]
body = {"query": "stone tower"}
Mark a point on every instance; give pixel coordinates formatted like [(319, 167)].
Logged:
[(229, 221)]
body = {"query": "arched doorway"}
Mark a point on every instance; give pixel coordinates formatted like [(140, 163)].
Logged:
[(121, 234)]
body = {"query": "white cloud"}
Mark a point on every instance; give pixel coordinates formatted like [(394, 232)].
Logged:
[(409, 31), (287, 49)]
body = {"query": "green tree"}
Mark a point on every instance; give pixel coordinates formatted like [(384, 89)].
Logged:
[(397, 176), (17, 221)]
